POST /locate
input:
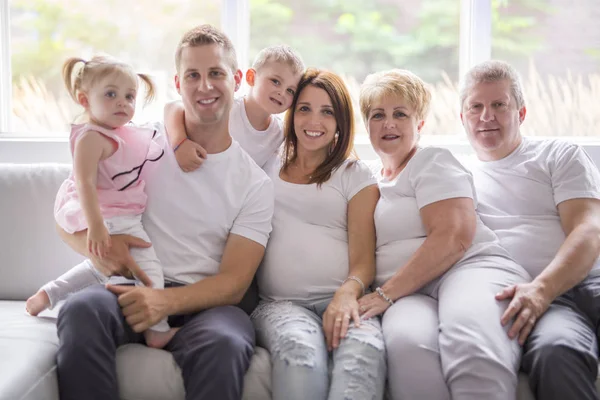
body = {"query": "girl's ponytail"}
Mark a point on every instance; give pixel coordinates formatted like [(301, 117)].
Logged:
[(73, 83), (150, 87)]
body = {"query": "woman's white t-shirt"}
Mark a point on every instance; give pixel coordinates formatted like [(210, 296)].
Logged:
[(519, 195), (306, 259), (431, 175)]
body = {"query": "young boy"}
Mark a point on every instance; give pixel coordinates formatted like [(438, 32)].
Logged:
[(253, 121)]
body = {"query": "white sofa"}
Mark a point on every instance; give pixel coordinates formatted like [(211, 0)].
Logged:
[(31, 253)]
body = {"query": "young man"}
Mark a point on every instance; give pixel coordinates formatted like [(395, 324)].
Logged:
[(542, 198), (209, 229), (254, 120)]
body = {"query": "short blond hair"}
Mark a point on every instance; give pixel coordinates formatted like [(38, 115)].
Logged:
[(395, 83), (205, 35), (280, 53), (492, 71)]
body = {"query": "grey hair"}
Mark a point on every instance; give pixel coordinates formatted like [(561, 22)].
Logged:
[(492, 71)]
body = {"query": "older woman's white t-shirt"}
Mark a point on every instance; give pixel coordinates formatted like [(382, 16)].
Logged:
[(306, 259), (432, 175)]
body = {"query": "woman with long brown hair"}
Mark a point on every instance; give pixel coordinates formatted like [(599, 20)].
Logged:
[(321, 254)]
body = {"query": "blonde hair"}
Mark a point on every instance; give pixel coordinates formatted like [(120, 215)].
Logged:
[(395, 83), (205, 35), (492, 71), (80, 75), (280, 53), (343, 145)]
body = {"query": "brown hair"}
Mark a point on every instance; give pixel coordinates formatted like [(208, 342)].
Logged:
[(343, 113), (204, 35), (81, 78)]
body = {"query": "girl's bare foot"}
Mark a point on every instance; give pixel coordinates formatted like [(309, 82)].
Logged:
[(37, 303), (158, 340)]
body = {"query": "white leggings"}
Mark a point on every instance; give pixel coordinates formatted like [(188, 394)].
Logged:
[(447, 341), (85, 274)]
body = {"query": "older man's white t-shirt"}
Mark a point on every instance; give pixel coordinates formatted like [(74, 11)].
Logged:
[(307, 257), (189, 216), (519, 195), (260, 145), (431, 175)]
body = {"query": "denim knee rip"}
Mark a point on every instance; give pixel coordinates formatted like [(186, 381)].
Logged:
[(363, 369), (288, 348)]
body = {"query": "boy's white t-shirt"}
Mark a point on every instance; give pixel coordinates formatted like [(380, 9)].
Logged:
[(307, 256), (431, 175), (190, 215), (519, 195), (261, 145)]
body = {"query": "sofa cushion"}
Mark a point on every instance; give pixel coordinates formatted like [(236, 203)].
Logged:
[(32, 252), (28, 346), (152, 374)]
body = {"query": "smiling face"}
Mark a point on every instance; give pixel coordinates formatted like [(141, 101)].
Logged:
[(491, 119), (273, 86), (206, 83), (314, 120), (393, 127), (110, 101)]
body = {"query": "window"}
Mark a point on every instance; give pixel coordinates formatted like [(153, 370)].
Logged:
[(555, 46), (355, 37), (44, 33)]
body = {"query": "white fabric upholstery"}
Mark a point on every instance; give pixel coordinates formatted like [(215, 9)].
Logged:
[(31, 253)]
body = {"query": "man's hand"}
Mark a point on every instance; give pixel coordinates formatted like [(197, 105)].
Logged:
[(142, 307), (528, 304), (190, 155), (118, 261)]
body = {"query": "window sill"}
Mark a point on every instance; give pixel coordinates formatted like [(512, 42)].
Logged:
[(26, 150)]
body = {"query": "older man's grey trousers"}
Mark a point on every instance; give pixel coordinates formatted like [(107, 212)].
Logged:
[(561, 354)]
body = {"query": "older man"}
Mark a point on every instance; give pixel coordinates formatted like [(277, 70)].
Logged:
[(209, 229), (542, 198)]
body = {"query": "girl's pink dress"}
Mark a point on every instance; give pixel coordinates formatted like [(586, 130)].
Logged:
[(120, 183)]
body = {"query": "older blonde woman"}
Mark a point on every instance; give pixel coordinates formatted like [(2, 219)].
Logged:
[(438, 265)]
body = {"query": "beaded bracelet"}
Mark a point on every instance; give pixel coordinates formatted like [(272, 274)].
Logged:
[(384, 296), (179, 144), (356, 279)]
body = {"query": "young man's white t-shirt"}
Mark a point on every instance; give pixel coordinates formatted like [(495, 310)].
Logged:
[(519, 195), (431, 175), (260, 145), (190, 215), (307, 257)]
